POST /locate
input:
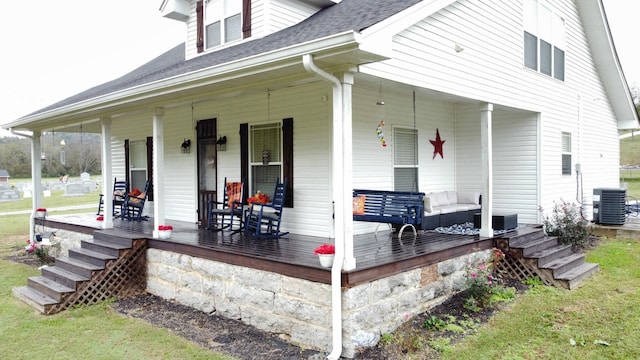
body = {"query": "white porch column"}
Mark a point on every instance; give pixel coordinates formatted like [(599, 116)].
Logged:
[(487, 168), (36, 180), (107, 174), (158, 169), (347, 168)]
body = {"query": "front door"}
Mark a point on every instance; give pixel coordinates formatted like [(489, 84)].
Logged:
[(207, 167)]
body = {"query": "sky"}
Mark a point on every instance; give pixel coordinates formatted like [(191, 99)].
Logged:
[(55, 49)]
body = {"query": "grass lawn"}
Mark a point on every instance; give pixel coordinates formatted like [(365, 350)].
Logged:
[(632, 178), (90, 332), (57, 199), (602, 318)]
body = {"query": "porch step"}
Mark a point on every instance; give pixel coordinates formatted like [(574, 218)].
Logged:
[(554, 263), (547, 255), (102, 246), (564, 264), (48, 287), (34, 298), (79, 267), (100, 269), (574, 277), (63, 276), (524, 236), (90, 256), (104, 236), (533, 246)]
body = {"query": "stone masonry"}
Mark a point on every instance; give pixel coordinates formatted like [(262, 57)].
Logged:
[(300, 310)]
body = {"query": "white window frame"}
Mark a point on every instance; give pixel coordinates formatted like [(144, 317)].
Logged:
[(547, 27), (138, 163), (567, 153), (400, 134), (222, 13), (255, 157)]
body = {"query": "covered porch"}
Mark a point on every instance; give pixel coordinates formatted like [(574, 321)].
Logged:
[(378, 255)]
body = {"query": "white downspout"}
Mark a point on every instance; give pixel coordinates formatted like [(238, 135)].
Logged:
[(338, 193), (36, 177)]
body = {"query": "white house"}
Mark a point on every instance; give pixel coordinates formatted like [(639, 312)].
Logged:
[(519, 100)]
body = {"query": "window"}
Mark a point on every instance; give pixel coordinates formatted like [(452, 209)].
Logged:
[(138, 163), (544, 39), (566, 153), (265, 157), (405, 159), (223, 22)]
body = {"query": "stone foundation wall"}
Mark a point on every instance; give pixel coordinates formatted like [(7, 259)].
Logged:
[(65, 240), (300, 310)]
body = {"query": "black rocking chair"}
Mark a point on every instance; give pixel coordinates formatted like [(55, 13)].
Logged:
[(133, 205), (117, 197), (263, 220)]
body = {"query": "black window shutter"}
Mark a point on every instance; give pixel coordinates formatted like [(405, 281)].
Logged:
[(200, 26), (287, 159), (150, 167), (244, 156), (127, 165), (246, 18)]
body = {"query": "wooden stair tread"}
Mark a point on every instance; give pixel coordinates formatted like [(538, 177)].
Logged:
[(554, 264), (532, 243), (33, 297), (95, 254), (580, 270), (548, 251), (107, 244), (65, 273), (55, 286), (79, 263)]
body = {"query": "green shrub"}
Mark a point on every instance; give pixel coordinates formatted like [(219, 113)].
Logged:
[(483, 286), (567, 224)]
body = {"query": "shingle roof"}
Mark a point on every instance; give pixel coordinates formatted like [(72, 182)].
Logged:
[(355, 15), (4, 173)]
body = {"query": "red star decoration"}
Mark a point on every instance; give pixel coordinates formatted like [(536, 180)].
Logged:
[(437, 145)]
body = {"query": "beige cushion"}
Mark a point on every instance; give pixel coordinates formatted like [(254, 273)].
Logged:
[(428, 208), (439, 198), (468, 197), (452, 197)]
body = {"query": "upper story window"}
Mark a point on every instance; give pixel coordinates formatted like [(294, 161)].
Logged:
[(223, 22), (544, 39)]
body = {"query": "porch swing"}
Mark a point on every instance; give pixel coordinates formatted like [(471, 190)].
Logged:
[(399, 209)]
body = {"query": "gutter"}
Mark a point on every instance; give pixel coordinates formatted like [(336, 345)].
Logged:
[(338, 191)]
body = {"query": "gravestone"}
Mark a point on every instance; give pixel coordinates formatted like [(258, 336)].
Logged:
[(73, 189), (7, 193)]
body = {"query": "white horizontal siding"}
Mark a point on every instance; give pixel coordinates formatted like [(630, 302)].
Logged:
[(285, 13), (180, 176), (490, 69), (310, 108), (267, 17)]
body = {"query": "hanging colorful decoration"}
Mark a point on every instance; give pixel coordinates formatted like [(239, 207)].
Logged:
[(380, 133), (380, 105), (437, 145)]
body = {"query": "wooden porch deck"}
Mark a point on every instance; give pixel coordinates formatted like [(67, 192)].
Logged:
[(377, 256)]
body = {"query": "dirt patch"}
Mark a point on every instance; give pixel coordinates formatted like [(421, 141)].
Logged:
[(17, 253), (218, 333)]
